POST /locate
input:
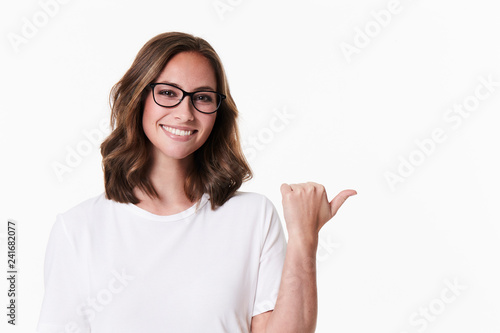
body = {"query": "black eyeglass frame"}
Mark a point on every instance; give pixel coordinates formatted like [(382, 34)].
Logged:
[(184, 94)]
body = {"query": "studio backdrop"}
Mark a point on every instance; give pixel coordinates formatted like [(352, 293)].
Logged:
[(397, 99)]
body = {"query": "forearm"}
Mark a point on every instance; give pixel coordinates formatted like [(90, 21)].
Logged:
[(297, 303)]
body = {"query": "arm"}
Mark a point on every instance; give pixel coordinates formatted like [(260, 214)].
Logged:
[(306, 210)]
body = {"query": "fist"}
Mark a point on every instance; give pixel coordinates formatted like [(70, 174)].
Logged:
[(306, 208)]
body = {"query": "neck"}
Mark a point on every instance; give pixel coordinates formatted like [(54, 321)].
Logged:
[(168, 177)]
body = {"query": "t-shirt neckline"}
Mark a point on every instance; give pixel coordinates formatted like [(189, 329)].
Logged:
[(166, 218)]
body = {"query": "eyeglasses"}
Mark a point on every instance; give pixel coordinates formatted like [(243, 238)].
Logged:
[(168, 96)]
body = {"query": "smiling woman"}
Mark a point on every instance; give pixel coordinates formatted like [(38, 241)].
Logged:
[(172, 245), (139, 109), (194, 251)]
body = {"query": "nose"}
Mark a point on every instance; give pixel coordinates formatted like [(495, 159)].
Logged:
[(185, 110)]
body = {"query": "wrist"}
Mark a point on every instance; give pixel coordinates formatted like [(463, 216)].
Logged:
[(303, 239), (303, 248)]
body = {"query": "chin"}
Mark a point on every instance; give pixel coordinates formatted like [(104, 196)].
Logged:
[(177, 155)]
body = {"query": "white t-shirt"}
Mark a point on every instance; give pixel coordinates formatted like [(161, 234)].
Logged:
[(114, 267)]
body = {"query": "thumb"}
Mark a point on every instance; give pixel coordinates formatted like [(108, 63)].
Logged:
[(339, 200), (285, 188)]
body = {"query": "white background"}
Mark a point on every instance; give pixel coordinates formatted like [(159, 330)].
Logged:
[(351, 121)]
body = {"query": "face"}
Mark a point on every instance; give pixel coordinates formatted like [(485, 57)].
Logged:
[(191, 72)]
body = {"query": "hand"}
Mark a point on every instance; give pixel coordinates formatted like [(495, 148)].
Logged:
[(306, 208)]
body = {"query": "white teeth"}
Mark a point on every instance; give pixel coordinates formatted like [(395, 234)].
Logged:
[(176, 131)]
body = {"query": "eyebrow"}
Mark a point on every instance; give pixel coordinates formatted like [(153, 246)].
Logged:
[(196, 89)]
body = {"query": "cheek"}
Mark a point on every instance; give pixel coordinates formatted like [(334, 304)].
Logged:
[(209, 125), (149, 114), (149, 125), (146, 121)]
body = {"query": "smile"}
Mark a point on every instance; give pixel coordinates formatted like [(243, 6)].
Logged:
[(176, 131)]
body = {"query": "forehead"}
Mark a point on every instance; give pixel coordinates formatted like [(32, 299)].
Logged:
[(189, 70)]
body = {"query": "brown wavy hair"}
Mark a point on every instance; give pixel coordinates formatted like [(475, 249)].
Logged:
[(219, 166)]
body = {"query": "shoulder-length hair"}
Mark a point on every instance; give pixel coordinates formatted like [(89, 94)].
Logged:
[(219, 166)]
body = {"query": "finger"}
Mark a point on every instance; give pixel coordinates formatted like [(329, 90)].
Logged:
[(339, 200), (285, 188)]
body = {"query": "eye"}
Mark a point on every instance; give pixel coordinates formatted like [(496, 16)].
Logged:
[(167, 92), (204, 97)]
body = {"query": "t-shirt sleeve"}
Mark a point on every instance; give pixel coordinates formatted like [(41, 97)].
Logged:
[(64, 282), (271, 262)]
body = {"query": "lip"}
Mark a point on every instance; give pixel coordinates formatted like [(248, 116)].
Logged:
[(181, 128)]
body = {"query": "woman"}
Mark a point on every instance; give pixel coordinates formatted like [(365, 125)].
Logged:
[(150, 254)]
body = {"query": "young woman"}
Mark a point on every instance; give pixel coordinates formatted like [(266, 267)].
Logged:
[(172, 245)]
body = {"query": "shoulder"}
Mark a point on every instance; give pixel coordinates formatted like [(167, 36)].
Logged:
[(251, 207), (87, 205), (84, 211), (73, 224), (250, 200)]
